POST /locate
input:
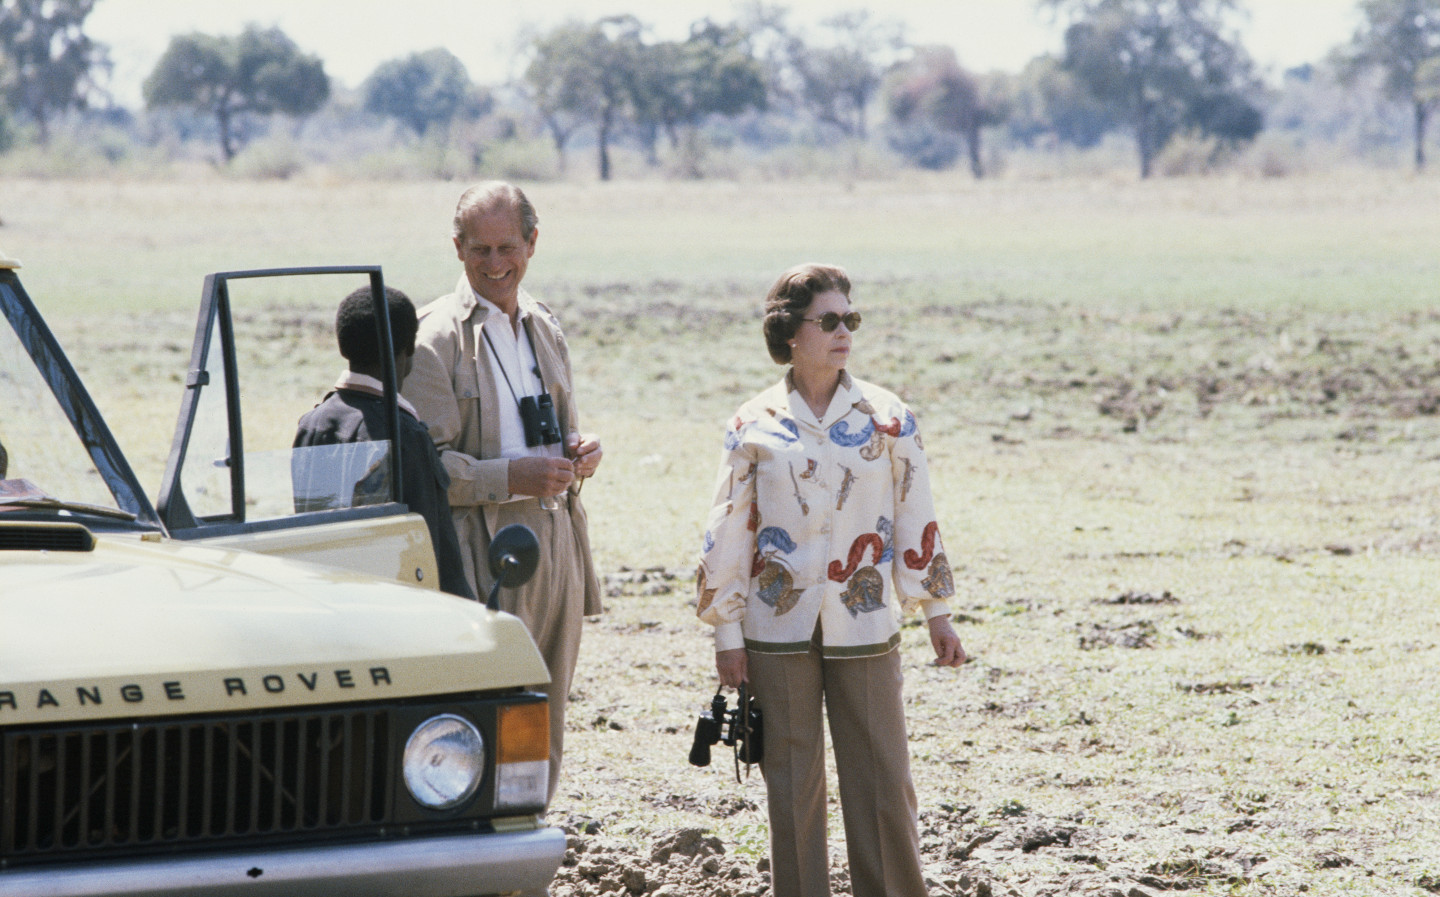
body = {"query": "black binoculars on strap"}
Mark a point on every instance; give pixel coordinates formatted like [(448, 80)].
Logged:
[(739, 728)]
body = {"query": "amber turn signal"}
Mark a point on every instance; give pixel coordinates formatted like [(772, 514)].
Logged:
[(524, 733)]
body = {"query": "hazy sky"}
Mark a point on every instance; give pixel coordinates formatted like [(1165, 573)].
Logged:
[(354, 36)]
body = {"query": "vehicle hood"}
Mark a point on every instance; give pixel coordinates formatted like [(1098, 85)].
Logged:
[(143, 628)]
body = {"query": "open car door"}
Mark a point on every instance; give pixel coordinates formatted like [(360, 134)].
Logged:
[(233, 479)]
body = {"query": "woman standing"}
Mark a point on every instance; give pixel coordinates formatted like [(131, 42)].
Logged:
[(822, 530)]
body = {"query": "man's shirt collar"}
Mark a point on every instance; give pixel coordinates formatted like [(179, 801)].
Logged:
[(371, 386), (525, 304)]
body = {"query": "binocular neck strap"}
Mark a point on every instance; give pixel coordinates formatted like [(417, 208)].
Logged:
[(501, 362)]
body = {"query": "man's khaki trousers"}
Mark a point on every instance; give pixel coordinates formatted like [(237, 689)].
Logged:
[(551, 605)]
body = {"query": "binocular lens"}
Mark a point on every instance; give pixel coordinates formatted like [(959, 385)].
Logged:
[(537, 415)]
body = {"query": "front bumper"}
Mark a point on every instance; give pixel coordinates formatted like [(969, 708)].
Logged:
[(448, 866)]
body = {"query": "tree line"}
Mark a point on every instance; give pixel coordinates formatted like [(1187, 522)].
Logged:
[(1153, 70)]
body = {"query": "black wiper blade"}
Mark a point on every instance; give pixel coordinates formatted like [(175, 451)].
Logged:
[(75, 507)]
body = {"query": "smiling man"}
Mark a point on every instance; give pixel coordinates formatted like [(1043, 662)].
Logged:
[(492, 378)]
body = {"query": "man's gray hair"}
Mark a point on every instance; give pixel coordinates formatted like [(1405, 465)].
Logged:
[(494, 194)]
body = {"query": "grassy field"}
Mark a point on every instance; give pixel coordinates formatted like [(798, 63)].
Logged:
[(1184, 436)]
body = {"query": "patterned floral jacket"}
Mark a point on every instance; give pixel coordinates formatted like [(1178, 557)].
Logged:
[(821, 519)]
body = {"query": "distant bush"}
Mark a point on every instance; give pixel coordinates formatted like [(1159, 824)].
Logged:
[(441, 160), (102, 145), (850, 161), (397, 164), (461, 157), (1113, 155), (926, 147), (63, 157), (523, 160), (424, 161), (994, 158), (1275, 155), (1190, 154), (691, 159), (276, 158)]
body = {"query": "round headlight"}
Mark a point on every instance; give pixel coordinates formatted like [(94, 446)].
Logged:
[(444, 761)]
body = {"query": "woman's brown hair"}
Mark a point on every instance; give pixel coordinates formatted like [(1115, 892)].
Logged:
[(790, 298)]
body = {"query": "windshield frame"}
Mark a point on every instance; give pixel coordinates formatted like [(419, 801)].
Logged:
[(74, 400), (216, 323)]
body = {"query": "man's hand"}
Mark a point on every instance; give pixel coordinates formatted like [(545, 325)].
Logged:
[(540, 477), (585, 451), (948, 650), (733, 667)]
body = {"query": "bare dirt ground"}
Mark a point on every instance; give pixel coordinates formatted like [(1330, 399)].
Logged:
[(1184, 439), (1195, 552), (1196, 562)]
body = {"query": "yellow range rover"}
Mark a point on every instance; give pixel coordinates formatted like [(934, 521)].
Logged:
[(246, 687)]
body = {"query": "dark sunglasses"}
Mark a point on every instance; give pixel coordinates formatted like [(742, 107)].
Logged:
[(830, 320)]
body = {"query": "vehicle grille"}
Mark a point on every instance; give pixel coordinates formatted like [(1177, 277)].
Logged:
[(165, 784)]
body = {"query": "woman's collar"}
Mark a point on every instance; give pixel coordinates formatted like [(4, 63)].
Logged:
[(846, 393)]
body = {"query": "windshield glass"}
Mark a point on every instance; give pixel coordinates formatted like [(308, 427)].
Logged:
[(286, 363), (41, 455)]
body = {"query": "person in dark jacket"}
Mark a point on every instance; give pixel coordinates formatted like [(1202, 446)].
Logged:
[(351, 418)]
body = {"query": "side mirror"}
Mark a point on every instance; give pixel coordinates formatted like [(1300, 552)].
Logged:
[(514, 555)]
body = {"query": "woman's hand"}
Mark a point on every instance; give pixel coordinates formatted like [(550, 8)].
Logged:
[(733, 666), (948, 650)]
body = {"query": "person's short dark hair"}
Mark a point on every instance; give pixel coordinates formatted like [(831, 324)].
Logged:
[(790, 297), (355, 329)]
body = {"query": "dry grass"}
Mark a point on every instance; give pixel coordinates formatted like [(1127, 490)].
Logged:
[(1184, 441), (1198, 602)]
